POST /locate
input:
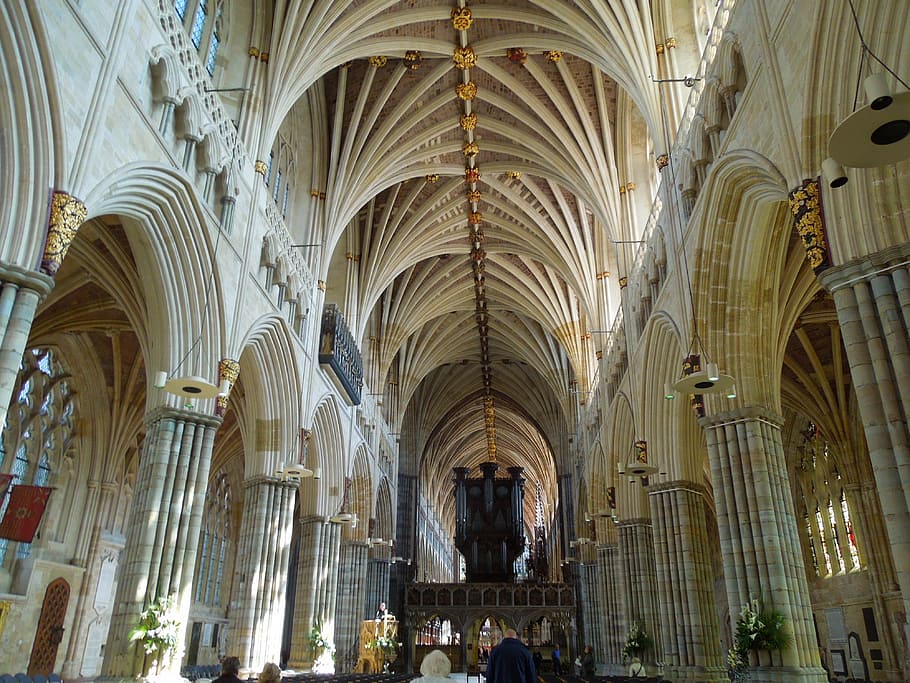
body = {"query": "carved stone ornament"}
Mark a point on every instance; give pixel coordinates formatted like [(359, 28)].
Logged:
[(464, 57), (466, 91), (471, 175), (462, 18), (261, 168), (66, 216), (517, 55), (808, 219), (379, 61), (514, 175), (412, 60), (228, 369), (474, 196), (475, 218), (468, 121), (553, 55), (470, 149), (623, 281), (432, 177), (663, 160)]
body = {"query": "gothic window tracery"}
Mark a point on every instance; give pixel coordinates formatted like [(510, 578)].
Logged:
[(214, 544), (38, 431), (828, 528), (203, 20)]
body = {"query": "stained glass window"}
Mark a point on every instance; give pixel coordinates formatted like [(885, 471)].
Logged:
[(199, 23)]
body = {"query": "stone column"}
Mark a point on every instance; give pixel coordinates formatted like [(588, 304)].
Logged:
[(377, 589), (612, 618), (261, 571), (159, 557), (20, 293), (317, 583), (636, 545), (690, 634), (759, 538), (352, 579), (872, 297)]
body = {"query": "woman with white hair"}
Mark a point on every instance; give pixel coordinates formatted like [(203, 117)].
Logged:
[(435, 668)]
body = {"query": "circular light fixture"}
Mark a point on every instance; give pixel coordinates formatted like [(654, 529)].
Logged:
[(703, 383), (343, 518), (191, 387), (874, 137), (640, 469)]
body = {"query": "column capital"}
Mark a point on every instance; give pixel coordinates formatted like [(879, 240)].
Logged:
[(858, 270), (678, 485), (30, 279), (747, 414), (265, 479), (167, 412)]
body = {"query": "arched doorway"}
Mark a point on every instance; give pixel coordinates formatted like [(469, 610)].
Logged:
[(50, 628)]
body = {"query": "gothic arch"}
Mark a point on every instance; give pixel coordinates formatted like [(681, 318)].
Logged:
[(32, 137)]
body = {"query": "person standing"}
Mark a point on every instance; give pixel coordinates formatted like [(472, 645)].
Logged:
[(511, 661), (587, 662), (381, 612), (557, 660)]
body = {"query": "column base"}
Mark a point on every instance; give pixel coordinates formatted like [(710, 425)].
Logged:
[(696, 674), (785, 674)]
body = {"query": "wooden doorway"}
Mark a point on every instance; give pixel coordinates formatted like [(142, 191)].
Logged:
[(50, 628)]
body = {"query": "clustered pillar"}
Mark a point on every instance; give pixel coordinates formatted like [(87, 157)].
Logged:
[(352, 582), (873, 308), (609, 573), (257, 606), (690, 634), (758, 536), (640, 580), (159, 558), (317, 584)]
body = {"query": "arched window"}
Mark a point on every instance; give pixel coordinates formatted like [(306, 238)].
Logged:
[(38, 439), (829, 534), (203, 20), (279, 173), (214, 546)]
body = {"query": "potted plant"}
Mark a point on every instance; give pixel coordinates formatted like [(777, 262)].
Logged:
[(757, 628), (159, 633)]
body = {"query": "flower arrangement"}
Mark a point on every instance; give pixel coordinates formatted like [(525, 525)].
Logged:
[(384, 643), (158, 631), (637, 642), (318, 641), (757, 628)]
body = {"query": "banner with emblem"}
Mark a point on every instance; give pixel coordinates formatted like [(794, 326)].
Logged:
[(24, 512)]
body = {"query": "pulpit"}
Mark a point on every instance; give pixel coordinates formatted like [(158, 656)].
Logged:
[(378, 644)]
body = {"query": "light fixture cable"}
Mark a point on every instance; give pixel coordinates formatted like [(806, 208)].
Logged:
[(866, 50)]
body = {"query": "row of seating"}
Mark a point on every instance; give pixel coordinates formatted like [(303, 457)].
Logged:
[(195, 672), (25, 678)]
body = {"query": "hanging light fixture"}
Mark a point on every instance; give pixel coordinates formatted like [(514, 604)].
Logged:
[(876, 134), (697, 379), (295, 471)]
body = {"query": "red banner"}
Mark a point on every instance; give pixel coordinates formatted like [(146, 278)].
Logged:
[(24, 512)]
